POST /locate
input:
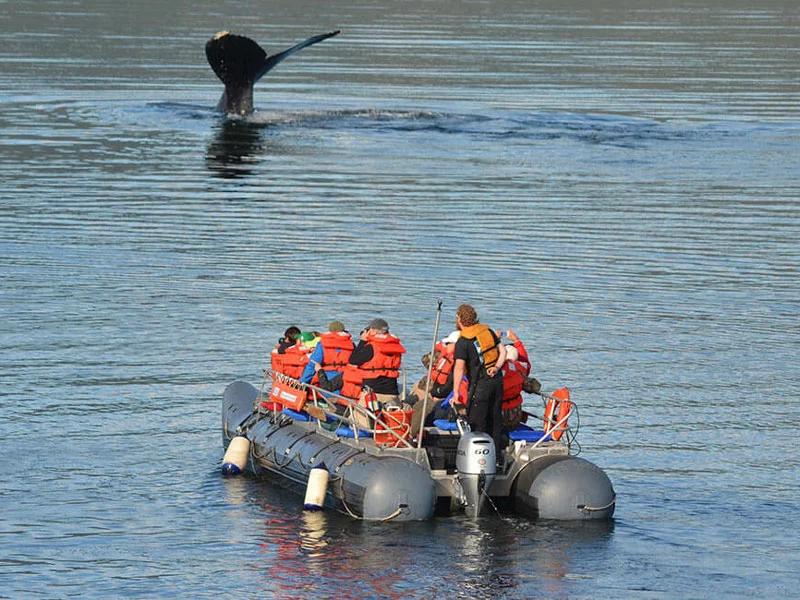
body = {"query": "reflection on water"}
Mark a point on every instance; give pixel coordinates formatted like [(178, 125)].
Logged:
[(235, 148), (332, 556), (312, 533)]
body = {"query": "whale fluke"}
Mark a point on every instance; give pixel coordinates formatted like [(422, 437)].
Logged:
[(240, 62)]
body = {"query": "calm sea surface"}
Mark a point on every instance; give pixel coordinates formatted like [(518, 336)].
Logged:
[(617, 181)]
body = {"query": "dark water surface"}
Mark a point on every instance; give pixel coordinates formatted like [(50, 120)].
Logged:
[(617, 183)]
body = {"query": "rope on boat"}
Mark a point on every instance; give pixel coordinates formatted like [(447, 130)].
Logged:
[(355, 452), (270, 450), (280, 465), (313, 459), (489, 498), (597, 508), (350, 512), (395, 514)]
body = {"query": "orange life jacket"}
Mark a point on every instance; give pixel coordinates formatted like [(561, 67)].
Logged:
[(486, 343), (444, 366), (514, 374), (352, 381), (337, 346), (387, 355), (276, 360), (294, 360)]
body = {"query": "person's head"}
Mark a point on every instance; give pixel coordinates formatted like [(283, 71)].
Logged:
[(336, 326), (378, 326), (466, 316), (511, 353), (532, 386), (291, 333), (452, 338)]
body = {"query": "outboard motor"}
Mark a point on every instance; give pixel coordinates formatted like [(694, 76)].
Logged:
[(475, 463)]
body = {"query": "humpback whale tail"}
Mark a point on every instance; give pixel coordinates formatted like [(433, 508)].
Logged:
[(239, 62)]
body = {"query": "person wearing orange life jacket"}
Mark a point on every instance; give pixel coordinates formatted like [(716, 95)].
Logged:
[(295, 359), (443, 367), (285, 342), (515, 372), (516, 379), (442, 357), (480, 356), (375, 361), (329, 358), (439, 388)]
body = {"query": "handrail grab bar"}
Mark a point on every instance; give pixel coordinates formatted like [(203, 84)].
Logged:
[(352, 406)]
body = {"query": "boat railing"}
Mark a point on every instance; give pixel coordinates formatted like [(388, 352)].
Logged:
[(568, 432), (361, 420)]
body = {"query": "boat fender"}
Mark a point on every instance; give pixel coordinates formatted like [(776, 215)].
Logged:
[(235, 459), (317, 487)]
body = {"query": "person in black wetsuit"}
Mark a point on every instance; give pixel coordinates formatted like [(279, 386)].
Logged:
[(480, 356)]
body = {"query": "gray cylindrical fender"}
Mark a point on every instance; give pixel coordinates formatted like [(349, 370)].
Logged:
[(393, 488), (564, 488), (371, 487), (237, 405)]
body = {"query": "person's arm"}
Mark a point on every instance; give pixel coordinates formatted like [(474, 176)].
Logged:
[(523, 353), (361, 354), (313, 361), (458, 373), (501, 360), (330, 385)]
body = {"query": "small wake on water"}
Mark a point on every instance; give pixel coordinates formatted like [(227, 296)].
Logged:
[(589, 128), (593, 129)]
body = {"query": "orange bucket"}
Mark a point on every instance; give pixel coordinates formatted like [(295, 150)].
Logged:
[(398, 421)]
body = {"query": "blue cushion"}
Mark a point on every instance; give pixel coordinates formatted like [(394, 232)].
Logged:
[(297, 416), (523, 433), (446, 425), (345, 431)]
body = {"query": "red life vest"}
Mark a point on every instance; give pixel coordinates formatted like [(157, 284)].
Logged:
[(514, 375), (276, 360), (336, 347), (444, 366), (295, 360), (463, 391), (352, 382), (387, 355)]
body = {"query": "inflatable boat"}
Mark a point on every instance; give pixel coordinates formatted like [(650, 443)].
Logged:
[(365, 464)]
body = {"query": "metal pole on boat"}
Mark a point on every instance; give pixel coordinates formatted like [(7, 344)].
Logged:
[(428, 378)]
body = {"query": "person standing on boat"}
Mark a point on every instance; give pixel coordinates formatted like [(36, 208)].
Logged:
[(480, 356), (376, 362), (330, 355)]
